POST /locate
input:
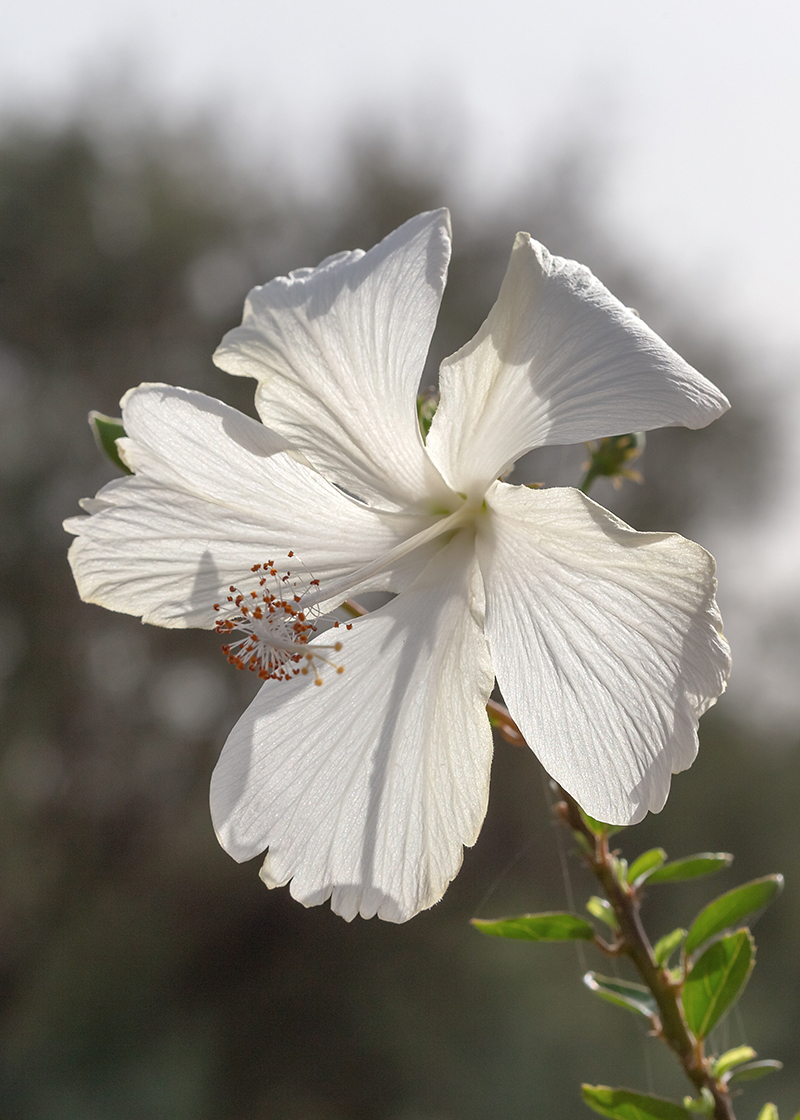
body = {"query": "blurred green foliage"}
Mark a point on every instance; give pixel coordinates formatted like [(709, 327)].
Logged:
[(144, 974)]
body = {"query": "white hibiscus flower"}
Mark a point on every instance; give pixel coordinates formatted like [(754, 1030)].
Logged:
[(606, 643)]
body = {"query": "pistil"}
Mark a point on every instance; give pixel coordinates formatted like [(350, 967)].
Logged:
[(450, 523)]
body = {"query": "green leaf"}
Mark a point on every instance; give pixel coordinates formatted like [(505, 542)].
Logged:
[(754, 1070), (107, 431), (732, 1058), (645, 863), (691, 867), (600, 828), (599, 908), (730, 908), (538, 927), (770, 1112), (717, 980), (622, 993), (622, 1104), (595, 826), (666, 946)]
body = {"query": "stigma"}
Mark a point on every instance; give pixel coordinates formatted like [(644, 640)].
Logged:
[(276, 621)]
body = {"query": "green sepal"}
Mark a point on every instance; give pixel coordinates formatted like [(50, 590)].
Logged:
[(666, 946), (730, 908), (753, 1071), (646, 863), (770, 1112), (427, 403), (717, 980), (691, 867), (732, 1058), (556, 926), (604, 911), (107, 430), (623, 993), (623, 1104)]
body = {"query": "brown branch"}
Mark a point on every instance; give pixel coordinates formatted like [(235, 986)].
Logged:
[(634, 943), (632, 940)]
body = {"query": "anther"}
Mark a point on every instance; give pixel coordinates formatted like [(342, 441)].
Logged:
[(275, 630)]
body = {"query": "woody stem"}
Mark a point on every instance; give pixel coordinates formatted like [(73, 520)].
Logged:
[(632, 940)]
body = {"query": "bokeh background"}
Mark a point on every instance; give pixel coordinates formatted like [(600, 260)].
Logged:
[(156, 160)]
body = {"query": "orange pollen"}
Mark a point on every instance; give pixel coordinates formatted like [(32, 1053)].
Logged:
[(275, 627)]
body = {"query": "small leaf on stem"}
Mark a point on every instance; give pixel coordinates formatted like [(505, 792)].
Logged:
[(600, 828), (732, 1058), (623, 1104), (604, 911), (595, 826), (730, 908), (666, 946), (620, 868), (646, 863), (704, 1104), (717, 980), (691, 867), (770, 1112), (623, 993), (555, 926), (753, 1071)]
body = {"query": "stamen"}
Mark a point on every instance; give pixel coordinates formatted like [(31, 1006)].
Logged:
[(277, 622)]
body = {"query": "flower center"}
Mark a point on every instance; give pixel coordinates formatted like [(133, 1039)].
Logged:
[(445, 523), (276, 626)]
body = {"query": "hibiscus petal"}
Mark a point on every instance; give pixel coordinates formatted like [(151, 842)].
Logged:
[(214, 493), (606, 643), (366, 788), (338, 352), (559, 360)]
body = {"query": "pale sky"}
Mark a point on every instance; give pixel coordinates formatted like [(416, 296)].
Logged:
[(699, 99)]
